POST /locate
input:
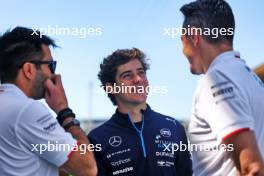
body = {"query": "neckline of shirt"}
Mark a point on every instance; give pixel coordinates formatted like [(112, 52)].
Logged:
[(123, 118), (224, 56)]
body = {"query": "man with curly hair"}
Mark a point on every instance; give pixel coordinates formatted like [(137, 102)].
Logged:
[(136, 140)]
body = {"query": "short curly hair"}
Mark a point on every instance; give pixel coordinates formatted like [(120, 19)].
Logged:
[(108, 68)]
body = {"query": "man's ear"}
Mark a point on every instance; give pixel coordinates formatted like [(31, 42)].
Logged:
[(195, 36), (109, 88), (29, 70)]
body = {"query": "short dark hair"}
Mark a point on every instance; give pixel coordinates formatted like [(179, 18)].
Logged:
[(210, 14), (18, 46), (108, 68)]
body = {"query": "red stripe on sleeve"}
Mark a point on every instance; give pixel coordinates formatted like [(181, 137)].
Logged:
[(235, 133)]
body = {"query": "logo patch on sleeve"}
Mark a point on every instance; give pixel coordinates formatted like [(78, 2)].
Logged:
[(223, 91)]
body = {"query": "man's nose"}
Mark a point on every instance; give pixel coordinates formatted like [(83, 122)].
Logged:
[(137, 79)]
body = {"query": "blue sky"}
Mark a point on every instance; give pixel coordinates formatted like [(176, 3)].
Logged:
[(127, 24)]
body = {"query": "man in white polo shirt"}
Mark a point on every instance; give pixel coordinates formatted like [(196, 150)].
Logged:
[(32, 141), (228, 110)]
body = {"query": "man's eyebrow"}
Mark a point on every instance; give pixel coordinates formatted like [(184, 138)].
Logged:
[(129, 71), (141, 68)]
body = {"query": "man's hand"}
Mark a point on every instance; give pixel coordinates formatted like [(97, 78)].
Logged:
[(246, 154), (78, 163), (54, 94)]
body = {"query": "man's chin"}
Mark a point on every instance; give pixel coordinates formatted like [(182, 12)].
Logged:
[(139, 100), (195, 72), (39, 97)]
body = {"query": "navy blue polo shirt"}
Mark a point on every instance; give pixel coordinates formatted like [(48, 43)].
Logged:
[(143, 148)]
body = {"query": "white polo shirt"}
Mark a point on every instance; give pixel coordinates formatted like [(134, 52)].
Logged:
[(229, 98), (30, 136)]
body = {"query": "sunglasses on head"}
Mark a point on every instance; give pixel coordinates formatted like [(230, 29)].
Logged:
[(51, 64)]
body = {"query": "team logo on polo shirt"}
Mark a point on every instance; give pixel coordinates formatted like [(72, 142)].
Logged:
[(162, 163), (115, 141), (165, 132)]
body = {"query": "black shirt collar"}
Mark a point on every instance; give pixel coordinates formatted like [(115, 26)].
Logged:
[(123, 119)]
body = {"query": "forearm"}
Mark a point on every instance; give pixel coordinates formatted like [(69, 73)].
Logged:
[(83, 149), (81, 161), (246, 154), (66, 119), (78, 134)]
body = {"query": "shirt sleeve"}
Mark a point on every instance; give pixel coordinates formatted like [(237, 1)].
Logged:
[(39, 132), (228, 108)]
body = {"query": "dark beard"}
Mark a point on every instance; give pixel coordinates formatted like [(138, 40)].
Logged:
[(38, 90)]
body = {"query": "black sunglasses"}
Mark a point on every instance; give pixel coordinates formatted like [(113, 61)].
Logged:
[(51, 64)]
